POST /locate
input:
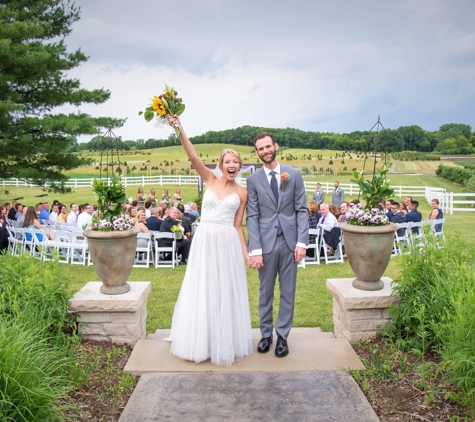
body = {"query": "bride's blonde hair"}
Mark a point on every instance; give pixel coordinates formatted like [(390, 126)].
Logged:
[(229, 151)]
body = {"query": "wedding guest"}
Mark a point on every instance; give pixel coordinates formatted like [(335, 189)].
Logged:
[(398, 217), (414, 215), (154, 221), (183, 245), (53, 216), (177, 195), (11, 211), (344, 207), (403, 208), (62, 217), (31, 222), (142, 243), (148, 207), (44, 214), (334, 210), (140, 198), (436, 214), (319, 195), (152, 197), (314, 216), (338, 195), (166, 197), (73, 214), (188, 213), (85, 218)]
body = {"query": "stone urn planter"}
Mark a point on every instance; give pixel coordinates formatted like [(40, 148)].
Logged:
[(113, 255), (368, 249)]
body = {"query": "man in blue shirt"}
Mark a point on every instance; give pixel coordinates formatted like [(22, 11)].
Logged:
[(414, 215), (44, 214)]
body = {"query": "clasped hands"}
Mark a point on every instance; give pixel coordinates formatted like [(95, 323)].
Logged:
[(257, 262)]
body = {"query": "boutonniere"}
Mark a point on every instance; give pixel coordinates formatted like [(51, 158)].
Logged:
[(283, 180)]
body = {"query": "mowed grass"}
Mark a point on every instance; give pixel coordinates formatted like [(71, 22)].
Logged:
[(422, 166)]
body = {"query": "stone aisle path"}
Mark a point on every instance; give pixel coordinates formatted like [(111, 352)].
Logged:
[(311, 384)]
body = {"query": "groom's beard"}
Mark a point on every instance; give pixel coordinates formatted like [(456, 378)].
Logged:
[(269, 159)]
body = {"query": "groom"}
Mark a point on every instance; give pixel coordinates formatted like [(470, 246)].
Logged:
[(277, 223)]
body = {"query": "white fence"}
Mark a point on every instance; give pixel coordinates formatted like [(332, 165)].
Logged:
[(449, 201)]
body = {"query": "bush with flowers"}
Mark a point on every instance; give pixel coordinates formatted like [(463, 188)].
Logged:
[(373, 193)]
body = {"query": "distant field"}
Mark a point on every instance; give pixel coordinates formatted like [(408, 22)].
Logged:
[(172, 160), (422, 166)]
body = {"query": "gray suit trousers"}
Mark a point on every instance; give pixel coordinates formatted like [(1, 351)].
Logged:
[(280, 261)]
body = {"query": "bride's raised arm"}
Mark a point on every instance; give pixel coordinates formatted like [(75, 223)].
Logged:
[(202, 170)]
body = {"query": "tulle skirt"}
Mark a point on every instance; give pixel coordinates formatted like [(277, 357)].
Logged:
[(211, 318)]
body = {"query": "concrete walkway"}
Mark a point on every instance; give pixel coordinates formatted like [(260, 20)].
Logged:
[(311, 384)]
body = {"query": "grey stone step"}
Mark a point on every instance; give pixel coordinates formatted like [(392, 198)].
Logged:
[(324, 396), (310, 350)]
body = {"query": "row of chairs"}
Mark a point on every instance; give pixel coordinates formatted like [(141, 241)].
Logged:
[(415, 233), (408, 232), (70, 246)]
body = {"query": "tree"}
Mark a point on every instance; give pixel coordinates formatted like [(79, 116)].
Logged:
[(452, 130), (33, 81)]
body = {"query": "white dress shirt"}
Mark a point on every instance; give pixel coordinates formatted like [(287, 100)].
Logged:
[(328, 222)]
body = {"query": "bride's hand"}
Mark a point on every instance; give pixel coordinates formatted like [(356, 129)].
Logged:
[(173, 121)]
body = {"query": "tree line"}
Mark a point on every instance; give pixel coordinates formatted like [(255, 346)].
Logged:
[(451, 138)]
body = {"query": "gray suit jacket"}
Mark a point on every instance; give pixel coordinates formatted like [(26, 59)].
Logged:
[(319, 196), (338, 196), (264, 214)]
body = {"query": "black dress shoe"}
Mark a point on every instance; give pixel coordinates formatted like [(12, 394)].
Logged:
[(281, 348), (264, 344)]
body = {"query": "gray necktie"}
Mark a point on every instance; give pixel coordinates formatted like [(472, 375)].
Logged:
[(273, 186)]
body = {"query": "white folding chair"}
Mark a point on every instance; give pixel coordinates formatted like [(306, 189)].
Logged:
[(63, 246), (14, 241), (29, 241), (78, 248), (143, 255), (338, 254), (44, 244), (402, 239), (416, 233), (162, 252), (316, 257), (437, 227)]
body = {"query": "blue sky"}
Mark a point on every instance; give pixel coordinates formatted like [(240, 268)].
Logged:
[(309, 64)]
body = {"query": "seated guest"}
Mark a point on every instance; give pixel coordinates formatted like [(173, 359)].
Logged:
[(73, 214), (53, 215), (188, 213), (414, 215), (354, 202), (183, 245), (408, 200), (334, 210), (327, 223), (154, 221), (31, 222), (436, 214), (194, 210), (44, 214), (389, 213), (344, 207), (403, 208), (11, 211), (3, 216), (148, 207), (313, 216), (186, 221), (85, 218), (141, 243), (398, 217), (62, 217), (19, 210), (21, 218)]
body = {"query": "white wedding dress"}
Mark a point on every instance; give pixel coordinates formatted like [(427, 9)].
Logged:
[(211, 317)]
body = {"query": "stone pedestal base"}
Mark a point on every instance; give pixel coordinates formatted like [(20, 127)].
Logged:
[(359, 314), (119, 319)]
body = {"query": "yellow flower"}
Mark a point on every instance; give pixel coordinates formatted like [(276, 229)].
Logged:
[(158, 106)]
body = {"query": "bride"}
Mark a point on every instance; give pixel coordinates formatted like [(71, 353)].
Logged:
[(211, 318)]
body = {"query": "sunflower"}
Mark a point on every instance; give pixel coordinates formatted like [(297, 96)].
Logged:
[(158, 106)]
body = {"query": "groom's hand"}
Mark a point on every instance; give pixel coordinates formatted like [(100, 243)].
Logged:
[(299, 253), (257, 262)]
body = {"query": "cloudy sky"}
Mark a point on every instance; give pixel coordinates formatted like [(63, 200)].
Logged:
[(319, 65)]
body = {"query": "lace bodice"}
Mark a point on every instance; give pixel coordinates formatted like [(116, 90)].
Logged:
[(219, 210)]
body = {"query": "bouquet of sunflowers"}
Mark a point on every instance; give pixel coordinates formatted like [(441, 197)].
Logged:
[(163, 104)]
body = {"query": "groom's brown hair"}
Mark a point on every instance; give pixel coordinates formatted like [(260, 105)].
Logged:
[(263, 135)]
